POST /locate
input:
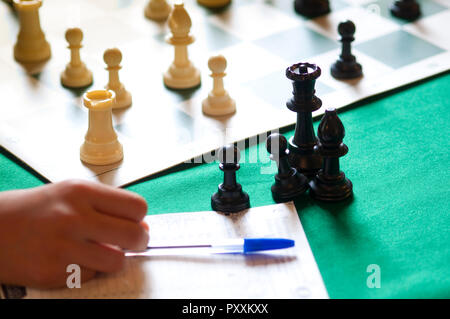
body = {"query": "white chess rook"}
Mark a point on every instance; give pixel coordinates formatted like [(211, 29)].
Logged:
[(112, 58), (182, 74), (31, 45), (76, 74), (158, 10), (100, 146), (218, 101)]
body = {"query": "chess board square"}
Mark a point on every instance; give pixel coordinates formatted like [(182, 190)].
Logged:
[(247, 62), (430, 29), (386, 49), (254, 21), (56, 16), (381, 7), (107, 5), (280, 88), (445, 3), (8, 26), (21, 90), (297, 44), (372, 69), (358, 2), (212, 38), (108, 32), (288, 6), (363, 19)]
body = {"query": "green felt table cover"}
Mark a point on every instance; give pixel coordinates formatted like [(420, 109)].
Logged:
[(399, 218)]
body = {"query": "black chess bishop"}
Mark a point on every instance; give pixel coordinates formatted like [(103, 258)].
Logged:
[(301, 146), (330, 183), (312, 8), (346, 67), (230, 198), (289, 183), (406, 9)]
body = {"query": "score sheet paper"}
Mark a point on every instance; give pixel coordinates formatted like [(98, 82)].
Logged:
[(285, 273)]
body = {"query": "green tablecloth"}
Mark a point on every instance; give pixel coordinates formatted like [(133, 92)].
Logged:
[(399, 218)]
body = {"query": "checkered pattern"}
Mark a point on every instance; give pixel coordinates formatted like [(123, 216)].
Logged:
[(44, 123)]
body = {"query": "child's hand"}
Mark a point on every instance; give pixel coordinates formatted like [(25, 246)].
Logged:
[(42, 230)]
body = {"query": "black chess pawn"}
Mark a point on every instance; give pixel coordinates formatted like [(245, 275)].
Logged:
[(289, 183), (312, 8), (346, 66), (330, 183), (406, 9), (304, 102), (230, 198)]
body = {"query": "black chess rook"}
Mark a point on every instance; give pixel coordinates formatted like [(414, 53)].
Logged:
[(301, 146), (230, 198), (346, 67), (330, 183), (406, 9), (289, 183), (312, 8)]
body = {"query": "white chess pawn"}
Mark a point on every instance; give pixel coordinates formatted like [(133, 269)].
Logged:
[(158, 10), (76, 74), (112, 58), (218, 101), (182, 74), (100, 146), (31, 45)]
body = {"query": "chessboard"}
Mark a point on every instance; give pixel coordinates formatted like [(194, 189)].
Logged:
[(43, 123)]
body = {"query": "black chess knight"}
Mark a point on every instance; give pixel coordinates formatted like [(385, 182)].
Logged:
[(330, 183), (289, 183), (304, 102), (230, 198), (346, 66)]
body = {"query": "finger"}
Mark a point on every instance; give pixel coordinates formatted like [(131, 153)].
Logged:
[(115, 201), (145, 225), (114, 231), (94, 257), (87, 274)]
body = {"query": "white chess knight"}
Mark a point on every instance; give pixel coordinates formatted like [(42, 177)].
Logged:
[(31, 45), (112, 58), (76, 74), (218, 101), (101, 146), (158, 10), (182, 74)]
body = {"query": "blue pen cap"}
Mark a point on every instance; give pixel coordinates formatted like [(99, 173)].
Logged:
[(257, 244)]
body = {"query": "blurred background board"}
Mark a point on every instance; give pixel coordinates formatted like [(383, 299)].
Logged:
[(43, 123)]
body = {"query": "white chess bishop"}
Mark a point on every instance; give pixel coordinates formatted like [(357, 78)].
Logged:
[(101, 146), (182, 74), (112, 58), (31, 45), (218, 102), (76, 74), (158, 10)]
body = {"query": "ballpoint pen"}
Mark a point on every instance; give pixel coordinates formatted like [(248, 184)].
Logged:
[(228, 246)]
